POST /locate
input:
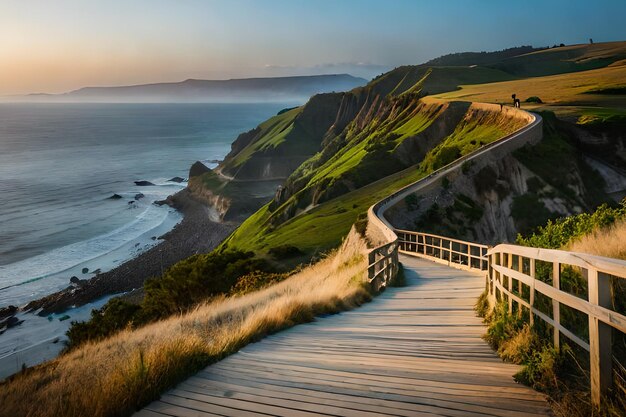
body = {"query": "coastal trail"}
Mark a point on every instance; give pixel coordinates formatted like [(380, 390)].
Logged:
[(414, 350)]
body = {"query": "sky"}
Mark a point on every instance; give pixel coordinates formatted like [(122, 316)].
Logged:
[(61, 45)]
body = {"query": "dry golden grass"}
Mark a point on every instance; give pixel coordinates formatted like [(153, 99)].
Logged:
[(516, 348), (115, 376), (609, 242), (554, 90)]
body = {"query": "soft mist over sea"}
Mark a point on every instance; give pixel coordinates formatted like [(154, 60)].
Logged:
[(60, 163)]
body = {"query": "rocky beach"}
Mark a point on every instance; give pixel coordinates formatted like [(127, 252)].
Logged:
[(48, 317), (196, 233)]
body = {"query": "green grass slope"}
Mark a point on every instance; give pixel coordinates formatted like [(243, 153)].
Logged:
[(279, 145), (323, 226)]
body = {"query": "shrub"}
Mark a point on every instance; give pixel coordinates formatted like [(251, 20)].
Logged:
[(534, 99), (285, 251), (558, 233), (467, 166), (361, 224), (255, 281), (112, 317), (196, 279), (187, 283), (528, 211), (412, 201), (446, 155), (471, 211), (485, 180)]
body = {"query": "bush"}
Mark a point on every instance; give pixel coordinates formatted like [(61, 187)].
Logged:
[(528, 211), (256, 281), (558, 233), (485, 180), (285, 251), (534, 99), (361, 224), (197, 279), (184, 285), (446, 155), (411, 201), (467, 165), (112, 317)]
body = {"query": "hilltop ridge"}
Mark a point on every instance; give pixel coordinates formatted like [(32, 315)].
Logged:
[(323, 156), (280, 89)]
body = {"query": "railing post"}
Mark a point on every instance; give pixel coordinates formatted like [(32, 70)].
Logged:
[(520, 268), (440, 248), (509, 258), (396, 260), (600, 343), (450, 253), (490, 281), (469, 256), (532, 291), (371, 270), (556, 310)]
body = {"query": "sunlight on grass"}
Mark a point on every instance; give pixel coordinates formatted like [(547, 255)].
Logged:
[(132, 368)]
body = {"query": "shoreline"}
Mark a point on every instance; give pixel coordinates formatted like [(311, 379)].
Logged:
[(196, 233)]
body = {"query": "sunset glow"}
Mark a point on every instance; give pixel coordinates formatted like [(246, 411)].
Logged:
[(67, 44)]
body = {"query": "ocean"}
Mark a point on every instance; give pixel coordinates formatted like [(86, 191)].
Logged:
[(61, 163)]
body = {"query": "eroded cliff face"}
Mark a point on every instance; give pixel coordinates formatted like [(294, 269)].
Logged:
[(277, 148), (385, 136), (492, 201)]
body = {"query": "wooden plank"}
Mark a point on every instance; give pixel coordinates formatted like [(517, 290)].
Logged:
[(181, 411), (148, 413), (463, 242), (415, 350), (533, 271), (279, 396), (415, 382), (461, 404), (241, 381), (262, 403)]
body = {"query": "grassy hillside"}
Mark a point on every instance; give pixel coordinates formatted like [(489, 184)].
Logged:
[(431, 80), (271, 133), (339, 142), (575, 94), (133, 367), (322, 226), (565, 59)]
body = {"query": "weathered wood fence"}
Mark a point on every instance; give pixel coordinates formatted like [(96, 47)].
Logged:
[(512, 271), (453, 252), (513, 276)]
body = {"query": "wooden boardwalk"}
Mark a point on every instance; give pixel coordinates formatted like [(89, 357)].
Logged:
[(412, 351)]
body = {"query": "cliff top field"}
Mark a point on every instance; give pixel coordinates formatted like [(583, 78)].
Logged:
[(595, 93)]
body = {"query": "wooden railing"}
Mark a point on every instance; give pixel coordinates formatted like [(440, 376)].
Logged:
[(453, 252), (513, 277), (512, 271), (383, 265)]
